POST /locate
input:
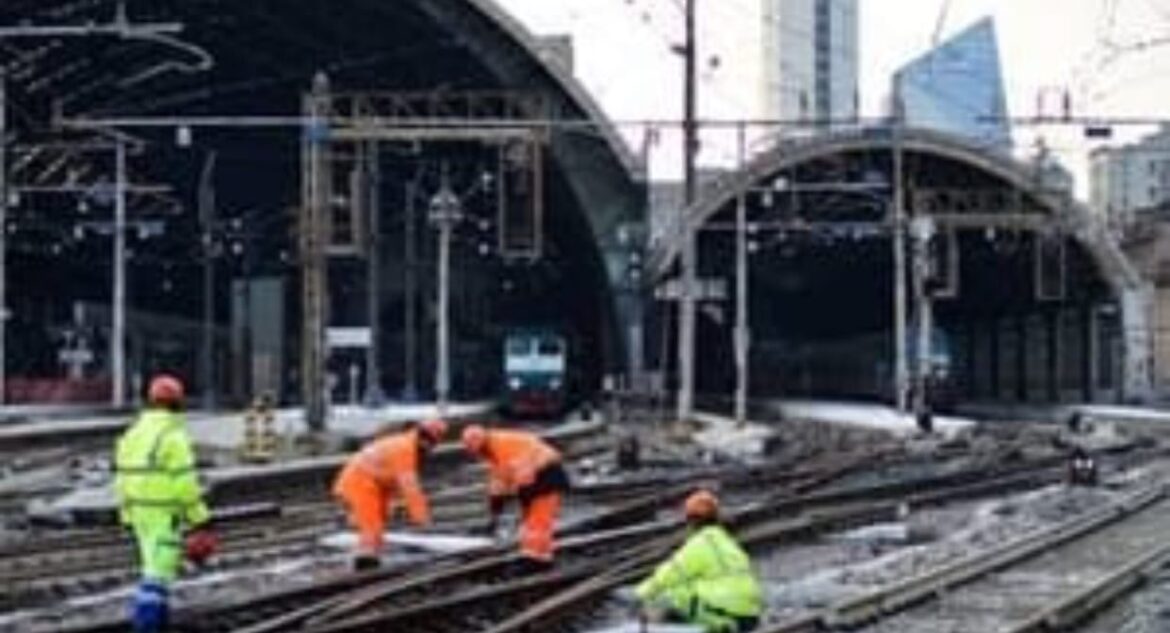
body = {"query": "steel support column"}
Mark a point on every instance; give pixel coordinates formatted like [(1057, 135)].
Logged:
[(687, 299), (410, 303), (898, 219), (372, 169), (742, 323), (4, 312), (118, 335), (314, 277), (207, 222)]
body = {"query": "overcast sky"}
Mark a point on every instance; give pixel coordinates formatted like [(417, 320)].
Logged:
[(623, 57)]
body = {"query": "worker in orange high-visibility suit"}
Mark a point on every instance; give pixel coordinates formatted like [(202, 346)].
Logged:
[(383, 471), (522, 465)]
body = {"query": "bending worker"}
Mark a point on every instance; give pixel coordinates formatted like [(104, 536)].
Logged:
[(375, 476), (709, 581), (158, 496), (521, 464)]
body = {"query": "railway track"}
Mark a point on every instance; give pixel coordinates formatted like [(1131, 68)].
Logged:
[(495, 584), (1048, 580), (39, 571), (473, 600)]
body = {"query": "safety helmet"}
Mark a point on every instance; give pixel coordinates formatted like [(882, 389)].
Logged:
[(702, 505), (434, 430), (165, 390), (474, 439)]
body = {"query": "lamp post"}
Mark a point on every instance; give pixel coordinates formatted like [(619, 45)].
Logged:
[(742, 331), (117, 338), (445, 212)]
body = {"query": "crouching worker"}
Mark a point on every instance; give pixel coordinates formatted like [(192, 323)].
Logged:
[(522, 465), (159, 497), (385, 470), (709, 581)]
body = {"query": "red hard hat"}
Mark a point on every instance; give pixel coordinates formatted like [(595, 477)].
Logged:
[(166, 390), (474, 439), (435, 430), (702, 505)]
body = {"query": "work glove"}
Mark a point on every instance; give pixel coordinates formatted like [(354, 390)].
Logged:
[(201, 545), (487, 528)]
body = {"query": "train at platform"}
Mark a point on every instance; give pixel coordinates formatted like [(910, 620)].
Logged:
[(536, 363)]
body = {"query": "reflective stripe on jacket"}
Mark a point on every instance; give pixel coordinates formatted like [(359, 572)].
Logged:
[(709, 572), (514, 458), (393, 463), (155, 471)]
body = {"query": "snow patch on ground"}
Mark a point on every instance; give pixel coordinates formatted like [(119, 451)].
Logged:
[(989, 525), (723, 436), (870, 416)]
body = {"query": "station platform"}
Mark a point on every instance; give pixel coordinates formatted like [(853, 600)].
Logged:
[(226, 430), (868, 416)]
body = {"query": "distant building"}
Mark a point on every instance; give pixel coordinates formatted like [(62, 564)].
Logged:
[(957, 87), (810, 60), (1128, 180)]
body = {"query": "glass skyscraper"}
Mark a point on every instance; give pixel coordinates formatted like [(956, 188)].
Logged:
[(810, 60), (957, 87)]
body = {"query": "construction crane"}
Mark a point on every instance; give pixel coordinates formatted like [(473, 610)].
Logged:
[(939, 23)]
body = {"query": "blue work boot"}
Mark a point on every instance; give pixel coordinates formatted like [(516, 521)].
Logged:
[(148, 608)]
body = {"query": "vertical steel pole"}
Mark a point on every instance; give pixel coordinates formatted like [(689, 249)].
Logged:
[(117, 338), (373, 181), (922, 311), (444, 213), (4, 313), (687, 300), (207, 218), (410, 388), (898, 220), (742, 324), (442, 374), (315, 203)]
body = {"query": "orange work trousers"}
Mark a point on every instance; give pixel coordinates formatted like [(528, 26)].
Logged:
[(538, 526), (367, 504)]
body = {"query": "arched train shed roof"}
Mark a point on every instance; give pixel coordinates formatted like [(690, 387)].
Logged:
[(1071, 214)]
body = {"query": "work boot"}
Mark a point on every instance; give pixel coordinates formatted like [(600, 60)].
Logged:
[(535, 565), (149, 611), (366, 563)]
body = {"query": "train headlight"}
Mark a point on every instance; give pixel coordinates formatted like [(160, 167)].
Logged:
[(554, 384), (515, 384)]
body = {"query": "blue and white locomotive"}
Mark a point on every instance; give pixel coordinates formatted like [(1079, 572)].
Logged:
[(535, 372)]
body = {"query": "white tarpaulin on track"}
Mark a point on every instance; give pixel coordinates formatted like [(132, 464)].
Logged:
[(436, 543)]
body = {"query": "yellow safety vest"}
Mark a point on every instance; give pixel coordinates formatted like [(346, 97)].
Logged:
[(155, 471)]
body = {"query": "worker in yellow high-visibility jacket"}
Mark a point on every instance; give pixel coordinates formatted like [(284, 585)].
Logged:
[(709, 581), (159, 499)]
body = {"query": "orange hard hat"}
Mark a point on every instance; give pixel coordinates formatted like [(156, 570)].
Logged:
[(434, 430), (702, 505), (165, 390), (474, 439)]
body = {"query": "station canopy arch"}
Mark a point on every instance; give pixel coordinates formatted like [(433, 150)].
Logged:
[(258, 59), (816, 204)]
